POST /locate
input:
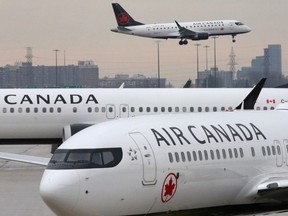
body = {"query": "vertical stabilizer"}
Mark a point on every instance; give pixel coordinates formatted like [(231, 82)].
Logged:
[(122, 17)]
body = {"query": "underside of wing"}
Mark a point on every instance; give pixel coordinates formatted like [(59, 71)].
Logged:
[(42, 161)]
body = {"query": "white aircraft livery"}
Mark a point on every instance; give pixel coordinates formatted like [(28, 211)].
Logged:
[(48, 116), (167, 163), (200, 30)]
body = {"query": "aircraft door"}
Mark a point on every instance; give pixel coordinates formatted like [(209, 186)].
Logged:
[(279, 153), (148, 158), (231, 25), (110, 111), (124, 111)]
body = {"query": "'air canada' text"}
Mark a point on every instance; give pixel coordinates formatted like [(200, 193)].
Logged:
[(13, 99), (208, 134)]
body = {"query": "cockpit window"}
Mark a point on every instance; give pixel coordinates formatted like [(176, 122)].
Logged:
[(239, 23), (85, 158)]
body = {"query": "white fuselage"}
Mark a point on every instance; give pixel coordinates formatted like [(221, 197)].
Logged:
[(39, 115), (170, 30), (170, 163)]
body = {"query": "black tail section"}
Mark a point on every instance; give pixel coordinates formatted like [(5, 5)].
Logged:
[(122, 17), (252, 97)]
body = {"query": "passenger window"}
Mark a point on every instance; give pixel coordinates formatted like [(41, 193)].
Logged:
[(278, 150), (218, 154), (140, 109), (103, 109), (132, 109), (273, 150), (44, 109), (11, 110), (206, 109), (19, 110), (162, 109), (176, 109), (224, 153), (110, 109), (183, 156), (169, 109), (155, 109), (184, 109), (148, 109), (170, 157), (189, 156), (177, 157), (268, 151), (200, 155), (230, 153), (253, 151), (235, 153), (194, 156), (59, 109), (205, 155), (214, 109), (191, 109), (96, 109), (89, 109), (52, 109), (241, 153), (35, 110), (4, 110), (199, 109), (263, 151), (212, 154), (27, 110), (223, 109)]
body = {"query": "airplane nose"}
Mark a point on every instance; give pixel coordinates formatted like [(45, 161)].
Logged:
[(248, 29), (59, 189)]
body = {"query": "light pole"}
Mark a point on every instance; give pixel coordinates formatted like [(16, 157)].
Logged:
[(158, 54), (56, 50), (207, 76), (215, 60), (197, 45)]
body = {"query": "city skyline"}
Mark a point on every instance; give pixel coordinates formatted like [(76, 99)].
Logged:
[(83, 31)]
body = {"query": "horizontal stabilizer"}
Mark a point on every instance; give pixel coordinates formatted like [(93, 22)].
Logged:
[(42, 161)]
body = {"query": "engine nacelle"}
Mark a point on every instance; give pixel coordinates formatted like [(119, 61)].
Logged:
[(200, 36)]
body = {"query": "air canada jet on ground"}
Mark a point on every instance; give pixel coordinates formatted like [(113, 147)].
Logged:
[(49, 116), (171, 163), (185, 31)]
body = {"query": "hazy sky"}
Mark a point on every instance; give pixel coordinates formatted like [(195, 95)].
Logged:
[(82, 29)]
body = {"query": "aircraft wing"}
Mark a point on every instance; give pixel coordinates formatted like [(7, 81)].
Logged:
[(184, 32), (42, 161)]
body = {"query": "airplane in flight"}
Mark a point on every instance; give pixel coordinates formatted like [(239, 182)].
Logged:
[(200, 30), (50, 116), (170, 163)]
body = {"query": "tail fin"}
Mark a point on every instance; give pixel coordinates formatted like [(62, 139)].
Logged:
[(122, 17)]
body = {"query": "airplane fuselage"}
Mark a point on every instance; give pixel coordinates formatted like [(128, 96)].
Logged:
[(170, 30), (165, 163), (40, 115)]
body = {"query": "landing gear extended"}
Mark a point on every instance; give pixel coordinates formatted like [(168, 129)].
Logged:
[(233, 38), (183, 42)]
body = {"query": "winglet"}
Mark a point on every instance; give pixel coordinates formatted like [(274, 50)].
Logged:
[(179, 26), (252, 97)]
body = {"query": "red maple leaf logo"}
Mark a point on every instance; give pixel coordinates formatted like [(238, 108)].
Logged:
[(169, 188), (123, 18)]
